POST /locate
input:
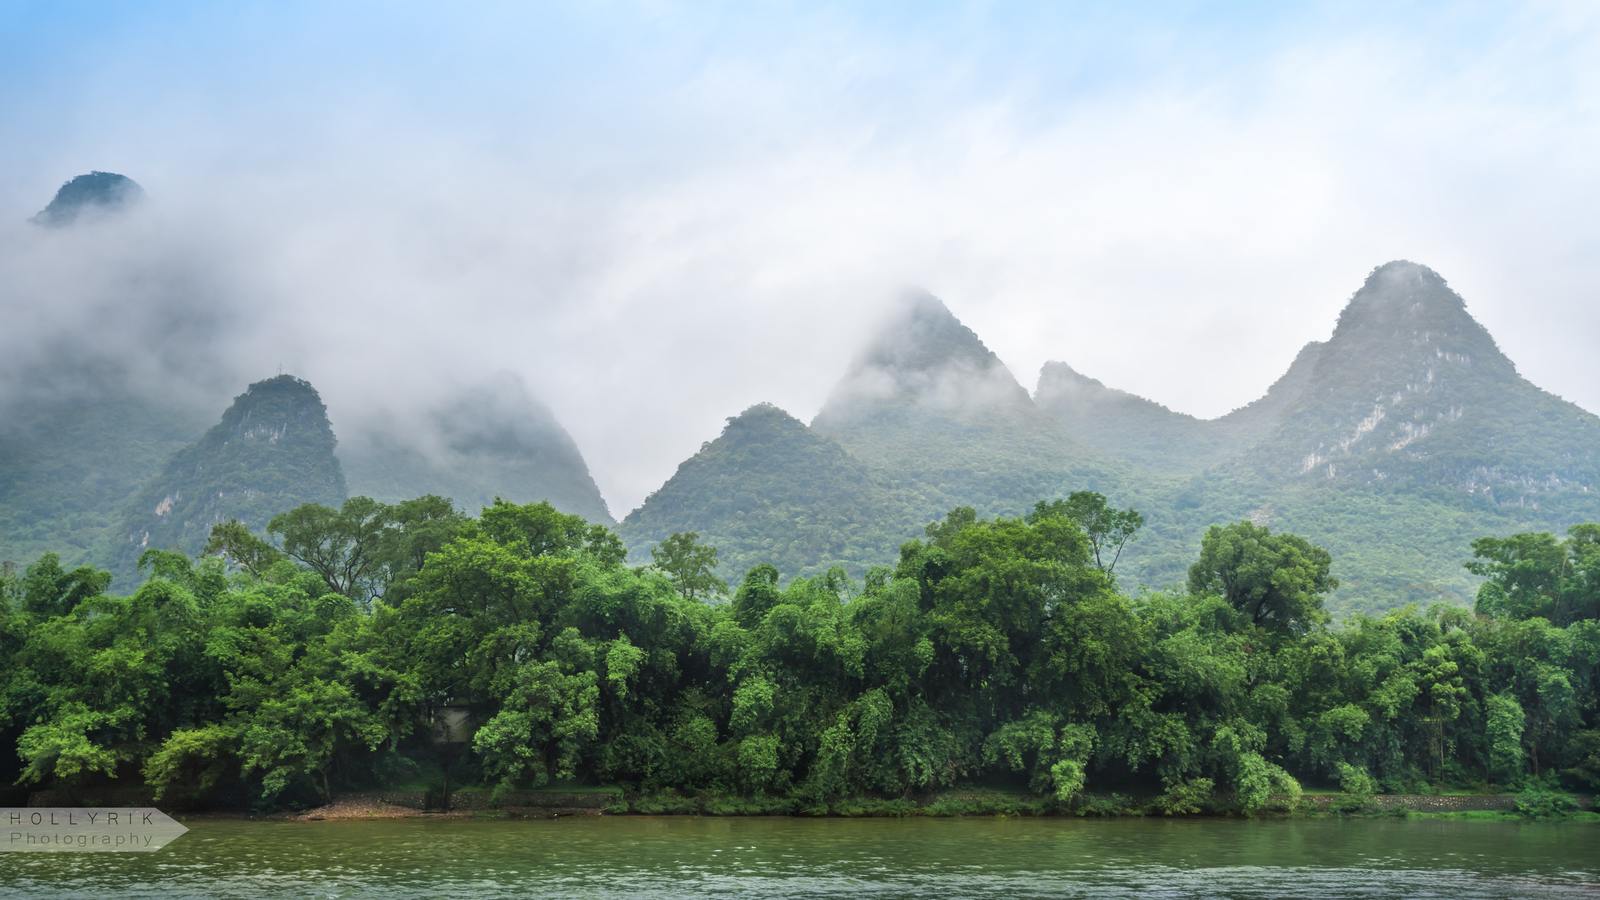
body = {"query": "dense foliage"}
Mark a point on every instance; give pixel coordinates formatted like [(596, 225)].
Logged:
[(319, 657)]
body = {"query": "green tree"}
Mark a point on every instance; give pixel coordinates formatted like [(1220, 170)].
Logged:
[(1537, 575), (1109, 529), (690, 565), (233, 541), (1504, 727), (1276, 580), (340, 545)]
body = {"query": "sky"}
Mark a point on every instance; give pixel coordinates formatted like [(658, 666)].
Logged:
[(659, 214)]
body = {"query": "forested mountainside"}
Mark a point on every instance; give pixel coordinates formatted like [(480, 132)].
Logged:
[(769, 489), (272, 451), (489, 440), (926, 418), (1411, 434), (69, 462), (1412, 392), (1394, 442), (932, 409), (81, 425), (1154, 438)]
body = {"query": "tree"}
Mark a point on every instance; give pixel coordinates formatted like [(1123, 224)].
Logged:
[(690, 564), (233, 541), (1536, 575), (1109, 529), (1504, 729), (341, 545), (1277, 580), (757, 594), (50, 590)]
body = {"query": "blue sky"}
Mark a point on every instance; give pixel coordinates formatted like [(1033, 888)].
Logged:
[(711, 199)]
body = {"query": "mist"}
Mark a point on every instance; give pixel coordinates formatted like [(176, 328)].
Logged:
[(657, 216)]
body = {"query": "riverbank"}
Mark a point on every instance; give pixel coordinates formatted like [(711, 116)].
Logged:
[(974, 802)]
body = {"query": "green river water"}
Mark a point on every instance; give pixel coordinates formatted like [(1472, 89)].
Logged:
[(671, 856)]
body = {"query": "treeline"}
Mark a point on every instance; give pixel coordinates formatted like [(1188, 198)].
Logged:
[(277, 670)]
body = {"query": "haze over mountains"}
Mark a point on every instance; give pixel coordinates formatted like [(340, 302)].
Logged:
[(1394, 443), (99, 462)]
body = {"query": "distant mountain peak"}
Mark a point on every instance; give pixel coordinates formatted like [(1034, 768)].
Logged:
[(1121, 424), (922, 333), (1055, 368), (270, 410), (1411, 389), (767, 489), (923, 358), (766, 414), (764, 423), (91, 194), (1411, 302)]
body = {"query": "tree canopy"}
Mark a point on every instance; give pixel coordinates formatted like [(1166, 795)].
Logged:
[(317, 658)]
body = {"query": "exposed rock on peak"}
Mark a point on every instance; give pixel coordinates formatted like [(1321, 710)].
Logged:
[(1406, 310)]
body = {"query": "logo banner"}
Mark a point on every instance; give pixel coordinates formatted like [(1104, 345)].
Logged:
[(86, 829)]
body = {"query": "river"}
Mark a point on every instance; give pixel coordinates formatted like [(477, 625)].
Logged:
[(669, 856)]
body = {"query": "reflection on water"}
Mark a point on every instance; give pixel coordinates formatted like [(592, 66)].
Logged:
[(808, 857)]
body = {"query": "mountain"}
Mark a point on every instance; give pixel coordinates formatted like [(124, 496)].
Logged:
[(80, 429), (1127, 426), (69, 457), (942, 418), (926, 418), (1143, 432), (88, 195), (490, 440), (769, 489), (1412, 392), (927, 373), (272, 451), (1395, 443)]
